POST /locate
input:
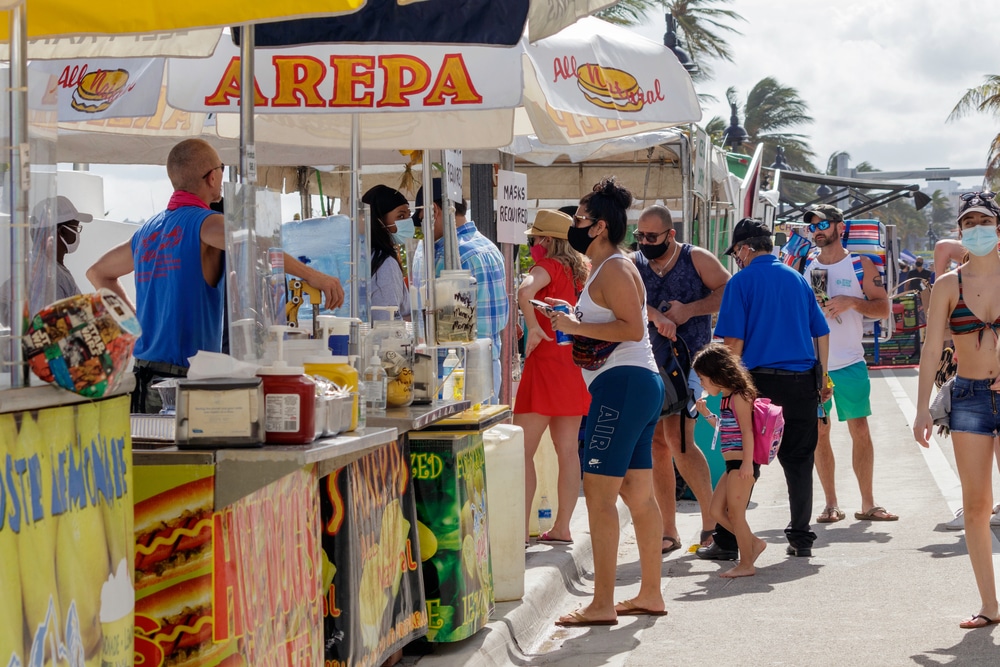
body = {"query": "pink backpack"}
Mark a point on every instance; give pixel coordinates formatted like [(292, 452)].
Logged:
[(768, 427)]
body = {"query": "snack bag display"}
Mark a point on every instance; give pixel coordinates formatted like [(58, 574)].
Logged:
[(83, 343)]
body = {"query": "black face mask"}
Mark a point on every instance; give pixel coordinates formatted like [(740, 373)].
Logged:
[(654, 251), (579, 238)]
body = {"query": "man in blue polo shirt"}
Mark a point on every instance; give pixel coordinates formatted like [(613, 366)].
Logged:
[(770, 317)]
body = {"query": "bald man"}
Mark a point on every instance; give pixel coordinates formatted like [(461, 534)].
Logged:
[(178, 260)]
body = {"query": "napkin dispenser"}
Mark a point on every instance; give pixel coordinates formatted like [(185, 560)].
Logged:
[(220, 412)]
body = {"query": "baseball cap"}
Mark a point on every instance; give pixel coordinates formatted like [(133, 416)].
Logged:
[(747, 228), (550, 223), (418, 203), (58, 211), (824, 212)]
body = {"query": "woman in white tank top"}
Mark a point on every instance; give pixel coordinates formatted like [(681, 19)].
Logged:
[(626, 397)]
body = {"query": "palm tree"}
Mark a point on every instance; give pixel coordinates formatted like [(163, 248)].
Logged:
[(627, 12), (984, 98), (769, 110), (942, 215), (701, 25)]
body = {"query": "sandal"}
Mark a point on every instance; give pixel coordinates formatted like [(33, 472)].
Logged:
[(831, 514), (675, 544), (877, 513)]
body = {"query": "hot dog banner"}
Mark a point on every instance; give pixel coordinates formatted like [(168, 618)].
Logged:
[(235, 587), (372, 576), (66, 548)]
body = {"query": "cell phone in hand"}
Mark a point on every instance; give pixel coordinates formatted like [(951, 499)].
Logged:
[(541, 305)]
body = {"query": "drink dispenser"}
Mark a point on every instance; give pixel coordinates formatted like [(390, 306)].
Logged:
[(395, 349), (455, 299)]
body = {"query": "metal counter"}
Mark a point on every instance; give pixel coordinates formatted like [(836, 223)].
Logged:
[(415, 417), (241, 471), (51, 396)]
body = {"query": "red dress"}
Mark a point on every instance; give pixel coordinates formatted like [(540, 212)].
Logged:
[(551, 383)]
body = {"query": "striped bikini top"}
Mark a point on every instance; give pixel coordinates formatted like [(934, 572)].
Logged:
[(730, 434), (964, 321)]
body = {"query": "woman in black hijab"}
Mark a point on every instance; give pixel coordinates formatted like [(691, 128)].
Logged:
[(387, 288)]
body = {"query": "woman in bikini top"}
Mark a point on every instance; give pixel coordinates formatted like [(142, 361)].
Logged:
[(974, 406)]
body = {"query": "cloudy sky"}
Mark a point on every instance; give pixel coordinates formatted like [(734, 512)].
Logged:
[(880, 78)]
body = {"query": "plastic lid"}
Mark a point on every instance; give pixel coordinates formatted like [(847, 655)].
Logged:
[(281, 367), (326, 359)]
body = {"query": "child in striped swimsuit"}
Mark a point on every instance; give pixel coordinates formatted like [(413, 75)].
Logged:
[(722, 372)]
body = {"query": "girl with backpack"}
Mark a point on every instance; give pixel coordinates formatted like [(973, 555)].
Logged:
[(722, 372)]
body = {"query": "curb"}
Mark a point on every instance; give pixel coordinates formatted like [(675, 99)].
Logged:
[(551, 573)]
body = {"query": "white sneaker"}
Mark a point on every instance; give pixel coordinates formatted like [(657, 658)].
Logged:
[(995, 519), (958, 523)]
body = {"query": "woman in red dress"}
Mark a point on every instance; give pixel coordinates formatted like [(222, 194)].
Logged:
[(552, 393)]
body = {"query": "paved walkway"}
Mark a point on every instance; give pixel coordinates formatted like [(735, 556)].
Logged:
[(873, 594)]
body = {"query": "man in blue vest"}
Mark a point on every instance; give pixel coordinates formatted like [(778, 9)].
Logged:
[(178, 257), (846, 301)]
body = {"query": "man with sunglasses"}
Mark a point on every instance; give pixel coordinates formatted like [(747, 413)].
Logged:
[(846, 302), (684, 286), (178, 257)]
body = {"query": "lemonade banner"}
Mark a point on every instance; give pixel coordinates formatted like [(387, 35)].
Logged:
[(95, 89), (234, 587), (348, 78), (373, 583), (449, 481), (66, 549)]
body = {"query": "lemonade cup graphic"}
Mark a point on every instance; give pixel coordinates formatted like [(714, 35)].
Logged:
[(118, 618)]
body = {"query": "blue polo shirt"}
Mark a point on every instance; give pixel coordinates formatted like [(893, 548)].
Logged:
[(772, 309)]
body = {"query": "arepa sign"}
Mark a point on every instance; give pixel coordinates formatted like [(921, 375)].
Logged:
[(348, 78)]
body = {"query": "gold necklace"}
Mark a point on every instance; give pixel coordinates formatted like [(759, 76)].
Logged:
[(661, 272)]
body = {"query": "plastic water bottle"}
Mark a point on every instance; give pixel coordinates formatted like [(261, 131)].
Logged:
[(276, 286), (544, 515), (375, 383), (450, 377)]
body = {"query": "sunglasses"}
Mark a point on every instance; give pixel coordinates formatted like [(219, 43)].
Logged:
[(969, 196), (577, 219), (209, 172), (822, 225), (648, 237)]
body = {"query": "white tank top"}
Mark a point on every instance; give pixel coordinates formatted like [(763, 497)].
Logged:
[(628, 353), (846, 347)]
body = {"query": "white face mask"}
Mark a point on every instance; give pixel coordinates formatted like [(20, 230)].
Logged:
[(71, 237), (404, 230)]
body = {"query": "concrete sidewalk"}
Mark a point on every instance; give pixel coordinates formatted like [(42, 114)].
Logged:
[(875, 593)]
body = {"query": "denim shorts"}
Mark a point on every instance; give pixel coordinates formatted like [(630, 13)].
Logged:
[(975, 408)]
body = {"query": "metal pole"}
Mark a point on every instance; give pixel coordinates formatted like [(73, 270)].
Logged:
[(507, 345), (430, 262), (355, 212), (248, 161), (686, 197), (19, 187)]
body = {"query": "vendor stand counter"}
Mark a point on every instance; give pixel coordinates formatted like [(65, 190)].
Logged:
[(240, 561)]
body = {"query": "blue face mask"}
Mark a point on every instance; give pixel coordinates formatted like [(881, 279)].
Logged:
[(404, 230), (980, 240)]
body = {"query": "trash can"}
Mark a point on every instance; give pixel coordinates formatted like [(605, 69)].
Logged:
[(504, 447)]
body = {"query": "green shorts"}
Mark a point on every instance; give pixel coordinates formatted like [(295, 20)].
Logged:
[(851, 392)]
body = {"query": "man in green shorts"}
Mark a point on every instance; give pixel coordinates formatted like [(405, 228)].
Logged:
[(846, 301)]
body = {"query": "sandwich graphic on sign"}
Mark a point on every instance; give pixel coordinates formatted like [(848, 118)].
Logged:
[(99, 89), (609, 88)]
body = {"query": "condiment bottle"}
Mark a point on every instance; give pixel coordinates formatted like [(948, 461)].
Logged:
[(289, 401), (340, 371)]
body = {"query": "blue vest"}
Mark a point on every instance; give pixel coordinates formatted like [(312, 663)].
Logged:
[(179, 312)]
